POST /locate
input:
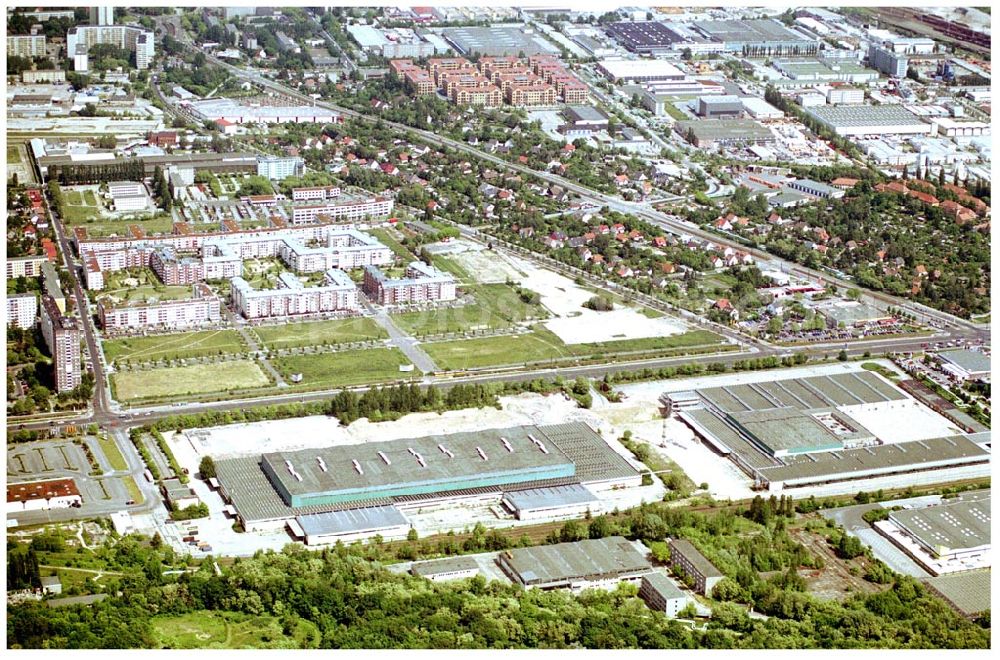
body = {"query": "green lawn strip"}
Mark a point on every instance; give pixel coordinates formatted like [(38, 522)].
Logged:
[(112, 453), (134, 493), (104, 227), (449, 265), (343, 368), (185, 344), (13, 154), (542, 344), (319, 332), (196, 379), (390, 241)]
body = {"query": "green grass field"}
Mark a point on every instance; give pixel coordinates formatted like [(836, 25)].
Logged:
[(231, 630), (345, 367), (496, 306), (388, 238), (113, 454), (185, 344), (133, 490), (493, 351), (13, 154), (173, 382), (449, 265), (319, 332), (542, 344)]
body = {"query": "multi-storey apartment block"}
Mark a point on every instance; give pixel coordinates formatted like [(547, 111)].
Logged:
[(22, 308), (422, 283), (62, 336), (203, 308), (338, 293)]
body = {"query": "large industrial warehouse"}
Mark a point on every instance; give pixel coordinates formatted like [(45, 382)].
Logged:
[(578, 565), (347, 492), (823, 429), (862, 120)]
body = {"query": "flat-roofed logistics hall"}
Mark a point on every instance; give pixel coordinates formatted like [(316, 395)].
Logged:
[(796, 432), (271, 488), (581, 564), (949, 530)]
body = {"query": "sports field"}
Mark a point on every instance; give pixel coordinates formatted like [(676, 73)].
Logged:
[(343, 368), (174, 382), (342, 331), (231, 630), (169, 347), (541, 344), (495, 306)]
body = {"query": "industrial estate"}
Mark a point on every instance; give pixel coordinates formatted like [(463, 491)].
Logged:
[(505, 327)]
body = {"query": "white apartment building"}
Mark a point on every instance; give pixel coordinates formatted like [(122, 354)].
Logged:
[(43, 76), (373, 208), (62, 336), (203, 308), (338, 293), (313, 194), (277, 169), (26, 45), (102, 15), (25, 266), (135, 39), (22, 308)]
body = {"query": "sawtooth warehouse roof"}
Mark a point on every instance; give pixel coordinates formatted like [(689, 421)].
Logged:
[(588, 560), (953, 526), (968, 592), (256, 499)]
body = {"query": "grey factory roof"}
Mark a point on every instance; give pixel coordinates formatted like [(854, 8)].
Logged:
[(663, 585), (725, 129), (436, 458), (552, 496), (588, 113), (695, 558), (852, 313), (748, 31), (968, 592), (788, 429), (591, 559), (871, 461), (803, 393), (971, 361), (952, 526), (255, 498), (444, 566), (843, 116), (497, 40), (643, 35), (353, 520)]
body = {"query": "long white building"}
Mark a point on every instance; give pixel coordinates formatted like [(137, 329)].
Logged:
[(338, 293), (203, 308), (422, 283), (377, 207)]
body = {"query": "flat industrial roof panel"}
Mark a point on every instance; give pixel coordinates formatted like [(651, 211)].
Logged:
[(971, 361), (594, 459), (722, 399), (749, 397), (850, 463), (968, 592), (786, 429), (808, 395), (775, 391), (834, 392), (843, 116), (353, 520), (728, 437), (444, 566), (552, 496), (580, 560), (950, 526)]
